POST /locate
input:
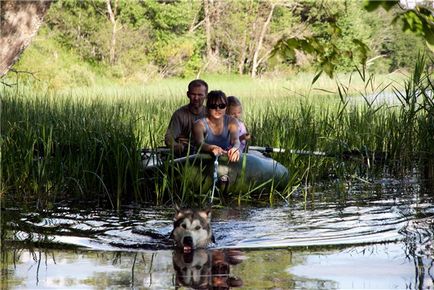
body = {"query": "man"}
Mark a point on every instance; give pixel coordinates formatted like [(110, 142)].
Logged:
[(179, 132)]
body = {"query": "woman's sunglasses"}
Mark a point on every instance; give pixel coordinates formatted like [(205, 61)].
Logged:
[(215, 106)]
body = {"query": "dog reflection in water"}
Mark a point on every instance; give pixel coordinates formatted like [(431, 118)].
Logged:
[(206, 269)]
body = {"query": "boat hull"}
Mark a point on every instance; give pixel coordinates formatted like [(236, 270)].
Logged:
[(254, 172)]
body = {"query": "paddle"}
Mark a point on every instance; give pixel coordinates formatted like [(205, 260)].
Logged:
[(264, 149), (345, 154), (292, 151)]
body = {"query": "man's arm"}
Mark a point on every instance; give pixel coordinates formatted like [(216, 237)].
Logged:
[(173, 132)]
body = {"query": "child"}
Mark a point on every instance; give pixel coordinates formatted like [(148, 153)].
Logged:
[(235, 110)]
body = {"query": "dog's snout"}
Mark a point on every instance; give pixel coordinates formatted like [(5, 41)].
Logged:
[(188, 241)]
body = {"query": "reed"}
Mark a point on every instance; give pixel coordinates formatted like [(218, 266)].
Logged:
[(84, 144)]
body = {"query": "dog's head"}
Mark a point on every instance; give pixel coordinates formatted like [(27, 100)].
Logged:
[(207, 269), (192, 229), (192, 269)]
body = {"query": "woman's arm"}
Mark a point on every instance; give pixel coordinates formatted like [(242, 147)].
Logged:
[(198, 134), (244, 133)]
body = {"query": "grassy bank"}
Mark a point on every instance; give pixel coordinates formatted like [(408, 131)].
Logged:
[(81, 144)]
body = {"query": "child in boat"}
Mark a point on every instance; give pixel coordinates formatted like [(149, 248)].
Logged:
[(235, 109)]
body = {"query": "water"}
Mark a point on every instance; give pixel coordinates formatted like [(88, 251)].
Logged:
[(369, 236)]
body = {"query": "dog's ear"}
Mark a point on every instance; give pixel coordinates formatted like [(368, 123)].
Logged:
[(178, 213), (206, 214), (177, 207)]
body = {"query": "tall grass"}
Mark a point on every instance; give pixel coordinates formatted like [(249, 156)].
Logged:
[(84, 144)]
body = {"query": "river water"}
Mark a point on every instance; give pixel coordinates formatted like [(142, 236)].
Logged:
[(374, 235)]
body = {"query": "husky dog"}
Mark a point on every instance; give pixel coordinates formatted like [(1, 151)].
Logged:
[(192, 229), (207, 269), (192, 269)]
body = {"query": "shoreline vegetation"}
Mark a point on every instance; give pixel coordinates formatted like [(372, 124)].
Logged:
[(84, 144)]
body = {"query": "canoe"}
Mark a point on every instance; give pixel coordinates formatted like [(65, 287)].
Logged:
[(254, 171)]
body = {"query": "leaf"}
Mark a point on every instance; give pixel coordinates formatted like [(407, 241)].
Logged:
[(387, 5), (362, 49), (430, 46), (317, 76), (429, 36), (328, 68), (371, 5)]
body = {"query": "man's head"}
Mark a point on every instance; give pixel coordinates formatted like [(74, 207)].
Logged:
[(197, 91)]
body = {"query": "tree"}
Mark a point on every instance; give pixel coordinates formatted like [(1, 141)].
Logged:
[(112, 13), (419, 20), (331, 39), (20, 20), (256, 61)]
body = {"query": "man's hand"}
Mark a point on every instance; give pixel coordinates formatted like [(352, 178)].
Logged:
[(182, 140), (180, 145), (178, 148)]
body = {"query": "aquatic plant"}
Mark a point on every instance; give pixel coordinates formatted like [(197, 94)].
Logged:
[(86, 145)]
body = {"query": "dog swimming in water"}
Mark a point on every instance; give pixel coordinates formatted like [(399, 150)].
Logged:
[(192, 229)]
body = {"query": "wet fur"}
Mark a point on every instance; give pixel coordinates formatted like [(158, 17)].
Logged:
[(192, 228), (207, 269), (193, 269)]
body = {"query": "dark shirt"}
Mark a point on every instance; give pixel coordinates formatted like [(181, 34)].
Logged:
[(181, 125)]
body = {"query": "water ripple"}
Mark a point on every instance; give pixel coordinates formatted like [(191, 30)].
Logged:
[(386, 211)]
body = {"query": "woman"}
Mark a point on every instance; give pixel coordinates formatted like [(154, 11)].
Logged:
[(217, 133)]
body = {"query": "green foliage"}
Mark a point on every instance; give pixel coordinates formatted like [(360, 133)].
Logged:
[(171, 17), (338, 36), (168, 38), (373, 5), (177, 57), (419, 20), (77, 25)]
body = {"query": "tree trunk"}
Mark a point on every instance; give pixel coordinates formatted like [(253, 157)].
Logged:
[(20, 20), (216, 19), (207, 18), (112, 16), (255, 63), (242, 58)]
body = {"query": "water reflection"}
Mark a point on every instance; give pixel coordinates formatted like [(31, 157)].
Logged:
[(382, 266), (43, 268), (419, 235), (203, 269), (385, 227)]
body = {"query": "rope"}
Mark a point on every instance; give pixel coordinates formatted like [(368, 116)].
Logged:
[(214, 177)]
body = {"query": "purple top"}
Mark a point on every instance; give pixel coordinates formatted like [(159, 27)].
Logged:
[(241, 131)]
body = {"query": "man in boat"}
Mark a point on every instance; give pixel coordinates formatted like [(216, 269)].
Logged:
[(179, 132)]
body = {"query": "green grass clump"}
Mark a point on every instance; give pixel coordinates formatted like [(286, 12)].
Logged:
[(83, 144)]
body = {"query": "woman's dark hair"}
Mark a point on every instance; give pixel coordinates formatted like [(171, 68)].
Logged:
[(214, 97)]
